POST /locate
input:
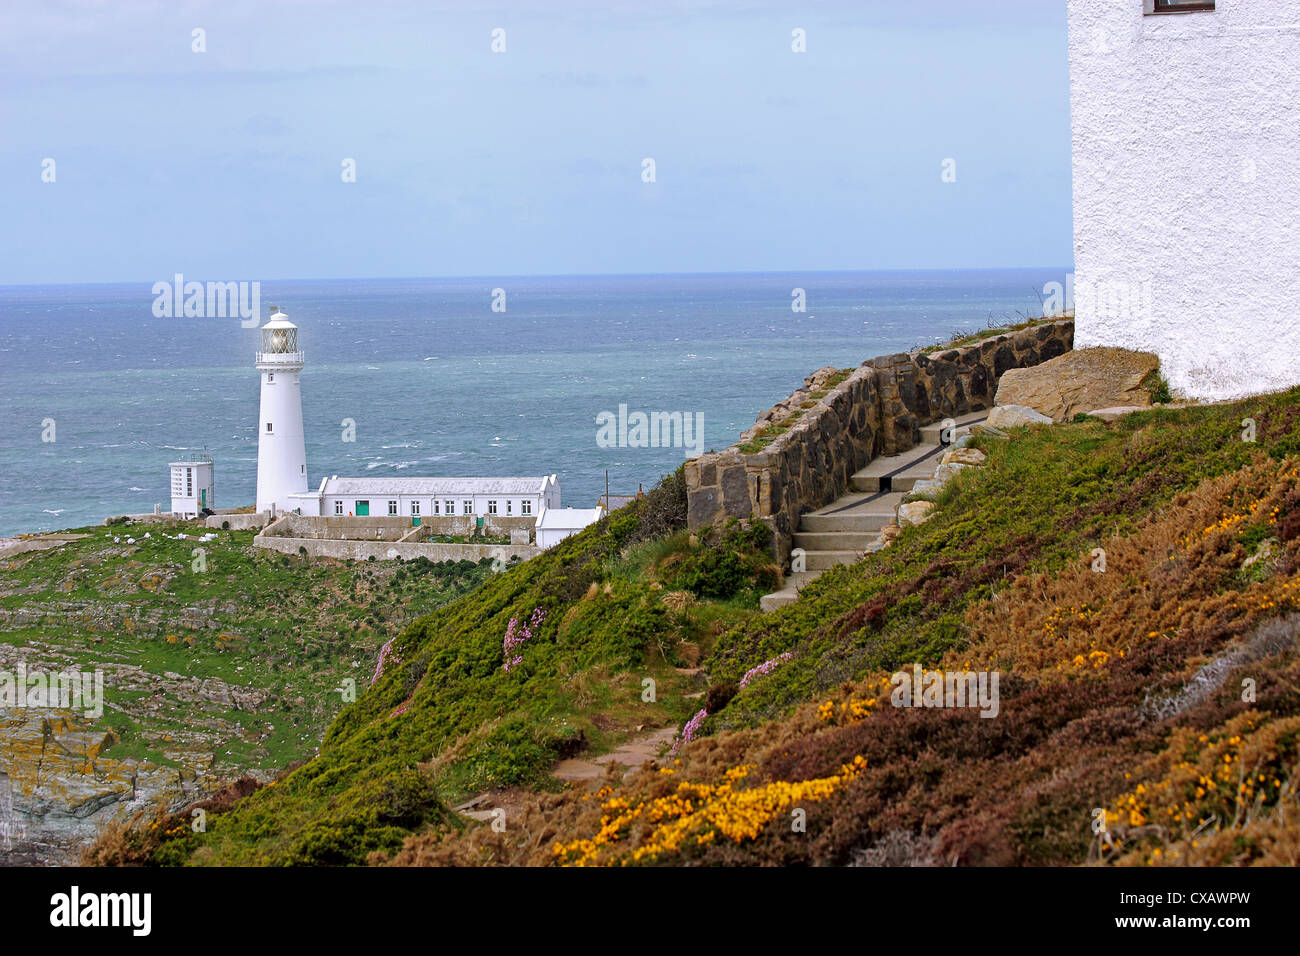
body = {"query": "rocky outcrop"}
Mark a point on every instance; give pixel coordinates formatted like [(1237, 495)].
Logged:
[(914, 512), (1014, 416), (57, 789), (1080, 382), (61, 775), (963, 456)]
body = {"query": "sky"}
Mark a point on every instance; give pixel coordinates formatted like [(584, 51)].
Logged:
[(228, 164)]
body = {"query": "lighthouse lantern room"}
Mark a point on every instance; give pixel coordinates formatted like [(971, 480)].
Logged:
[(281, 449)]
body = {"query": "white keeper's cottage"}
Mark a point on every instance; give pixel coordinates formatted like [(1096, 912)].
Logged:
[(1185, 118), (420, 498)]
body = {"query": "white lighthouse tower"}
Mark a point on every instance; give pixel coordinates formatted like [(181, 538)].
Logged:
[(281, 450)]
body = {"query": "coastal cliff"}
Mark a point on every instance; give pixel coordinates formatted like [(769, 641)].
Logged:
[(211, 670)]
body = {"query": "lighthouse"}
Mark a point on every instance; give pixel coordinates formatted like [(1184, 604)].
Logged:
[(281, 450)]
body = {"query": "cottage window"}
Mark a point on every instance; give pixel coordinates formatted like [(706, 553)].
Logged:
[(525, 507), (509, 505), (449, 507), (338, 507), (415, 507), (492, 506), (469, 507)]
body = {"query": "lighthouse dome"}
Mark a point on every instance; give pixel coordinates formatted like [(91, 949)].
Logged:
[(280, 341)]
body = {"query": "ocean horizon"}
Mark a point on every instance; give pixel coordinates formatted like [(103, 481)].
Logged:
[(437, 382)]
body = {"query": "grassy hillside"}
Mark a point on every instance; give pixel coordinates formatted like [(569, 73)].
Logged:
[(1158, 695), (233, 658)]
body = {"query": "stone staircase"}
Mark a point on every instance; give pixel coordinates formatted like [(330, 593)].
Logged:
[(847, 529)]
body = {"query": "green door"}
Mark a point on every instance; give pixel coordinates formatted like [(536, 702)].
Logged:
[(363, 509), (203, 497), (415, 521)]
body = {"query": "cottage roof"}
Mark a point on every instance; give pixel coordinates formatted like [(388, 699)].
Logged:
[(389, 485), (563, 519)]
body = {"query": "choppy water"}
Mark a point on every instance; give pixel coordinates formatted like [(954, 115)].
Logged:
[(437, 383)]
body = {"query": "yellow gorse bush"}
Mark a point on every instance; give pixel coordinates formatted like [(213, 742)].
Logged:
[(1207, 782), (696, 814), (853, 708)]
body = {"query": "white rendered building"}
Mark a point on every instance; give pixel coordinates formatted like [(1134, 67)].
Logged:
[(556, 524), (420, 498), (281, 450), (1185, 118), (192, 485)]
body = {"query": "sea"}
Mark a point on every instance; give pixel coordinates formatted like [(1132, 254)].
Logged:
[(99, 394)]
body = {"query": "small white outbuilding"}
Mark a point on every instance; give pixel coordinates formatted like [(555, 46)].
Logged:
[(192, 485), (556, 524)]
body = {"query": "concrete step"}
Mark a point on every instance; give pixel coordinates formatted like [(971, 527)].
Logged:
[(836, 540), (853, 512), (777, 599), (898, 472), (930, 434), (800, 579), (794, 583), (854, 521), (821, 560)]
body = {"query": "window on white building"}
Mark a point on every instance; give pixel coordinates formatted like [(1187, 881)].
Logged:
[(449, 506), (492, 506), (392, 508), (415, 507), (469, 507), (1176, 6), (268, 426), (509, 505), (525, 507), (338, 507)]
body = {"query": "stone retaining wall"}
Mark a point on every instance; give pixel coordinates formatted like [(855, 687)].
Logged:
[(388, 527), (393, 550), (238, 521), (372, 528), (876, 411)]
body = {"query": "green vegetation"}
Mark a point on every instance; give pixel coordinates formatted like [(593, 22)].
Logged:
[(1157, 387), (970, 338), (1042, 500), (628, 599), (280, 632), (999, 577)]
